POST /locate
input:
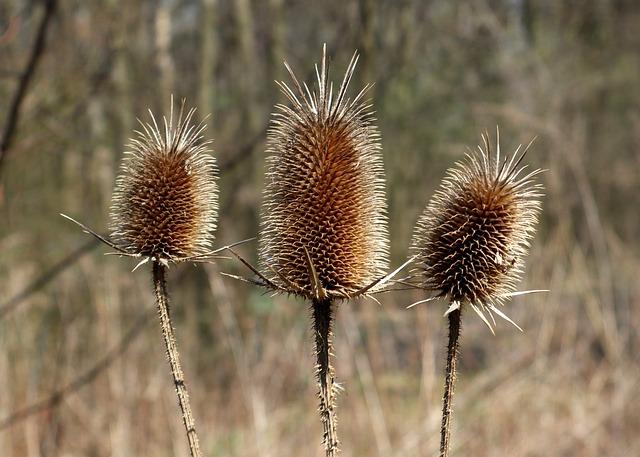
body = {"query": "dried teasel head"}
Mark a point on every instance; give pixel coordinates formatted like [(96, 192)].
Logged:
[(324, 210), (472, 238), (165, 202)]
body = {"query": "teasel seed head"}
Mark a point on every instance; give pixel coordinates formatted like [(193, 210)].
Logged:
[(324, 205), (165, 202), (472, 238)]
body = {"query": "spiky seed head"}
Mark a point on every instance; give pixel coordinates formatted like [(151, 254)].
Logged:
[(472, 237), (324, 190), (165, 201)]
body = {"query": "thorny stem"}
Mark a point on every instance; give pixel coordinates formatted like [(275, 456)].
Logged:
[(162, 299), (322, 320), (447, 399)]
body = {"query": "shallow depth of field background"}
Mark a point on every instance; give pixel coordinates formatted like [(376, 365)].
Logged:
[(443, 72)]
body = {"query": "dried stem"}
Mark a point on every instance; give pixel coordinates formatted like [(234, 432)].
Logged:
[(322, 320), (87, 377), (162, 298), (447, 399)]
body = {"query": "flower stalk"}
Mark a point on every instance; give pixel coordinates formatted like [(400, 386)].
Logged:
[(162, 300), (322, 310), (470, 243), (450, 381), (164, 210), (323, 229)]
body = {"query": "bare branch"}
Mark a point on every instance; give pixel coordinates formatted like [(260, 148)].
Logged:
[(85, 378), (14, 109), (45, 278)]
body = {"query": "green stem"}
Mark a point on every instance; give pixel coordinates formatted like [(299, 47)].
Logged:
[(162, 299)]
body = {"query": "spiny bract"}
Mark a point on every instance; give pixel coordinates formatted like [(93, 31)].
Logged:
[(473, 235), (165, 202), (324, 191)]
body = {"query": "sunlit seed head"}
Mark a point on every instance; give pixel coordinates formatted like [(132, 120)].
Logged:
[(472, 237), (324, 190), (165, 200)]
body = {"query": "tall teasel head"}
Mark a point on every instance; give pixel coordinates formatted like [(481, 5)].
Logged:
[(165, 202), (472, 238), (324, 210)]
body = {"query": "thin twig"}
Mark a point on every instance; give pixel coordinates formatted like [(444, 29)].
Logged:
[(45, 278), (447, 399), (87, 377), (322, 320), (13, 114), (99, 237), (162, 299)]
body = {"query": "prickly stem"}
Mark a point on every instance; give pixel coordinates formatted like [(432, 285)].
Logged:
[(450, 379), (322, 321), (162, 299)]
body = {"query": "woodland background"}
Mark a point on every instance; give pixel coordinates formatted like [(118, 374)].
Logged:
[(78, 337)]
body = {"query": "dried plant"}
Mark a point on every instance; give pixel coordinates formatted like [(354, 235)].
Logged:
[(165, 202), (323, 220), (164, 210), (470, 244), (324, 191)]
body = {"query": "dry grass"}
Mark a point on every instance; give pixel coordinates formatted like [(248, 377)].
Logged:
[(567, 387), (556, 390)]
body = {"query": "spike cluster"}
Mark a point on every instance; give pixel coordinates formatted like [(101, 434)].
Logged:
[(165, 202), (324, 205), (473, 235)]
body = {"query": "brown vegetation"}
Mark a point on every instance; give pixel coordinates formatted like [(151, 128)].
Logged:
[(444, 71), (323, 227), (470, 243), (324, 191)]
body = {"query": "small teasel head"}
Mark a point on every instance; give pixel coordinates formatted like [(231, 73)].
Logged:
[(165, 202), (472, 238), (324, 209)]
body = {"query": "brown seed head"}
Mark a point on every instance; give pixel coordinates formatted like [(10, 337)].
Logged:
[(473, 235), (165, 201), (324, 191)]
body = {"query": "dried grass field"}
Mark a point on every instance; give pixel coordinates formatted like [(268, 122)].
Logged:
[(82, 363)]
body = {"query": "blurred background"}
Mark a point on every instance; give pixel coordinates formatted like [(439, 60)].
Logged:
[(82, 363)]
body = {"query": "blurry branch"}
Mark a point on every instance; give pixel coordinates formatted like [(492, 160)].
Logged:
[(243, 16), (248, 148), (9, 32), (14, 109), (208, 56), (229, 164), (164, 60), (244, 152), (47, 277), (85, 378), (98, 79), (68, 261)]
